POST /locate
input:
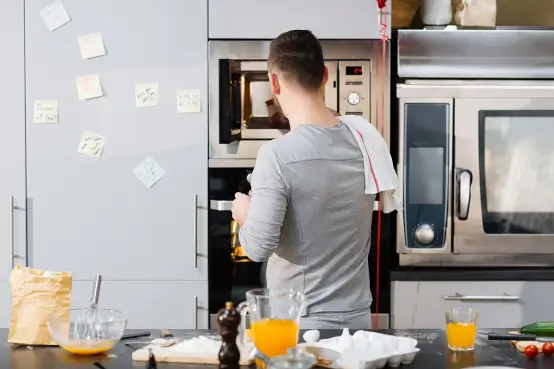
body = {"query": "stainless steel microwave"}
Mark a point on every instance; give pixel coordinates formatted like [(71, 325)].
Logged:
[(476, 166), (243, 115)]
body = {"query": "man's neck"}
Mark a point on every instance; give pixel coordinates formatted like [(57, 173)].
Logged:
[(310, 110)]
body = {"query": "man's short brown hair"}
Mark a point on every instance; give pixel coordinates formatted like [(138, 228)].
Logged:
[(297, 54)]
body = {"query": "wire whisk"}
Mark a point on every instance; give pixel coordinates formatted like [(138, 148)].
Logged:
[(89, 326)]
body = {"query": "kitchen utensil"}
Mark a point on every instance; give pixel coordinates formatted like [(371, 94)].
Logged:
[(107, 334), (274, 317), (518, 337), (296, 358), (135, 335), (152, 364), (86, 327)]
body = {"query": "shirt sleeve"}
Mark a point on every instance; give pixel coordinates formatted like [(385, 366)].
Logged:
[(261, 231)]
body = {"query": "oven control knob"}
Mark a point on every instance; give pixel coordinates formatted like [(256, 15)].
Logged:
[(424, 234), (354, 98), (249, 177)]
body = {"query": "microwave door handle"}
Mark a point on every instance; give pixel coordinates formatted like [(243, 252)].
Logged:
[(464, 193)]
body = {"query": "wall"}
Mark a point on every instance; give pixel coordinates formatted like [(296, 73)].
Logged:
[(509, 13)]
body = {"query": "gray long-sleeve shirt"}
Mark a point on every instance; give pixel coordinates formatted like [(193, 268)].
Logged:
[(309, 217)]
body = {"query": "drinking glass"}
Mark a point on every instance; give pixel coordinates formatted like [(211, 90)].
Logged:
[(273, 320), (461, 328)]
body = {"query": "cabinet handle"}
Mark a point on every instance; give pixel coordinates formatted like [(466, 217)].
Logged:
[(12, 242), (195, 231), (459, 297), (195, 326)]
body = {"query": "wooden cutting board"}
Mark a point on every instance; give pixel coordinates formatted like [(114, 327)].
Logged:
[(170, 355), (521, 345)]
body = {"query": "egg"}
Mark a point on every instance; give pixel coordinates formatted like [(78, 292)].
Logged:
[(311, 336)]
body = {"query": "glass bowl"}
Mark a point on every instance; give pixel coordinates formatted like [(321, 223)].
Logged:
[(71, 334)]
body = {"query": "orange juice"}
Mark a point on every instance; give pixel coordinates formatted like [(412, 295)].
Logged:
[(274, 336), (461, 335), (79, 348)]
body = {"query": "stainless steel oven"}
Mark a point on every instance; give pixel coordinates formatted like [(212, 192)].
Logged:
[(476, 158), (243, 115)]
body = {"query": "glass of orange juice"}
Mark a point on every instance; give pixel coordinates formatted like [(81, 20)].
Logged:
[(461, 328), (270, 320)]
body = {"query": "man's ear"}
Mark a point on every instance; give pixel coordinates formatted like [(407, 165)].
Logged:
[(274, 84), (325, 76)]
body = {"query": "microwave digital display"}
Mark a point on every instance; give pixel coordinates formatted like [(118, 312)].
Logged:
[(354, 71)]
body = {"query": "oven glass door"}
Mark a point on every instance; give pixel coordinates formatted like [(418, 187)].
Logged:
[(504, 176)]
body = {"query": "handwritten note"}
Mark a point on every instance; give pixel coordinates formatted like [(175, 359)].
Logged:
[(46, 111), (188, 101), (55, 16), (146, 94), (91, 45), (149, 172), (88, 87), (91, 144)]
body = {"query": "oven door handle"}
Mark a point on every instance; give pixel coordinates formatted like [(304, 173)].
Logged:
[(221, 205), (464, 178)]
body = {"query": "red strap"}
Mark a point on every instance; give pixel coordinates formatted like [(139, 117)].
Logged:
[(383, 30)]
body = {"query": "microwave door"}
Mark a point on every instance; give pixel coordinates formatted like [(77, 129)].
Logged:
[(230, 101), (425, 136), (503, 176)]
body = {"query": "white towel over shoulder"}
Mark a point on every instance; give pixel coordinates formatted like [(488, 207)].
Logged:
[(380, 176)]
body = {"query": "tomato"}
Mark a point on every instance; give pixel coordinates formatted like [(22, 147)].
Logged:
[(548, 349), (531, 351)]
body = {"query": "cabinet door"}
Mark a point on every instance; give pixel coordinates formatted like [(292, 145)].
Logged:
[(151, 304), (12, 149), (264, 19), (91, 215), (506, 304)]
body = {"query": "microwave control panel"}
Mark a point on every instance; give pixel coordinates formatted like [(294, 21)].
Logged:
[(354, 88)]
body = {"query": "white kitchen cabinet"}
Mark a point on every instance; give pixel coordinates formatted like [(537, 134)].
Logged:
[(501, 304), (12, 149), (265, 19), (151, 305), (89, 215)]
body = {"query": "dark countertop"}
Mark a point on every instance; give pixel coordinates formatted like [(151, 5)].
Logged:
[(434, 354), (471, 274)]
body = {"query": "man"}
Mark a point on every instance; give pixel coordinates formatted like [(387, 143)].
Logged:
[(308, 214)]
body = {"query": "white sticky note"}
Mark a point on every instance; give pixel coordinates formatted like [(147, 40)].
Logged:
[(149, 172), (91, 144), (46, 111), (91, 45), (88, 87), (188, 101), (146, 94), (55, 16)]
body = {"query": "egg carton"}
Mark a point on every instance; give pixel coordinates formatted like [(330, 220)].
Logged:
[(363, 350)]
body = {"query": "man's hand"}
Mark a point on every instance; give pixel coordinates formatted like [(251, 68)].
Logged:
[(241, 204)]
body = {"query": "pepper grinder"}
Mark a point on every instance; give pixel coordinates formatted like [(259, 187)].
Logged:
[(229, 321), (151, 364)]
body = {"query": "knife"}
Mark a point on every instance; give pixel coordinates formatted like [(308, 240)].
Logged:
[(518, 337)]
